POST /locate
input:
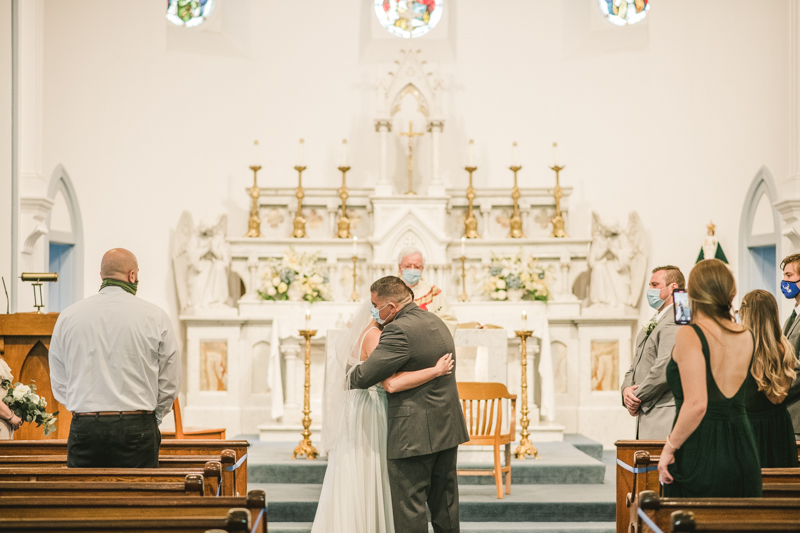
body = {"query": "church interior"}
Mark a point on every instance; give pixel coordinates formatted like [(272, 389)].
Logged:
[(536, 161)]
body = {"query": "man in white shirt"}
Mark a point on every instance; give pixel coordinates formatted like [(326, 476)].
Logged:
[(429, 297), (114, 364), (645, 392)]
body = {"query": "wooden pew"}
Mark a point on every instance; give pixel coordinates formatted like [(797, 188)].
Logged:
[(235, 521), (211, 473), (649, 507), (238, 467), (59, 508), (192, 485), (685, 522)]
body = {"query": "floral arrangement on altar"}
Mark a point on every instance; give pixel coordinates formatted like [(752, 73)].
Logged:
[(26, 404), (295, 277), (516, 278)]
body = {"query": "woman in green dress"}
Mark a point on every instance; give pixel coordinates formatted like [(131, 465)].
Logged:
[(710, 451), (773, 373)]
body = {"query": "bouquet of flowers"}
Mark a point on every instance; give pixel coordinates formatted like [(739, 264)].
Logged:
[(518, 277), (295, 277), (26, 404)]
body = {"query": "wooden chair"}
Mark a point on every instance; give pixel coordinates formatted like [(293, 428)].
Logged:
[(483, 410), (190, 433)]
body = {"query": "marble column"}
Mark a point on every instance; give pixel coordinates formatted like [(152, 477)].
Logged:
[(291, 355), (252, 270), (383, 187), (436, 188), (789, 203)]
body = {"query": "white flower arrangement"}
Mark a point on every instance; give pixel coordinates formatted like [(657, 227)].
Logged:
[(517, 273), (295, 277), (26, 404)]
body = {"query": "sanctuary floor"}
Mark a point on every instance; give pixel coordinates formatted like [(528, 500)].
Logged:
[(570, 490)]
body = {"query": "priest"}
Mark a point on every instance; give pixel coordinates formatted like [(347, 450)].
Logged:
[(429, 297)]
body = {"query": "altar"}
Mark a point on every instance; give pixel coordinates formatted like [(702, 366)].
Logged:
[(310, 255)]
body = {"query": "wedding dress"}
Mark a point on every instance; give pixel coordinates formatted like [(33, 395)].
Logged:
[(6, 433), (355, 494)]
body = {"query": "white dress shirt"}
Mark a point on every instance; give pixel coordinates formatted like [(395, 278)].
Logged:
[(114, 352)]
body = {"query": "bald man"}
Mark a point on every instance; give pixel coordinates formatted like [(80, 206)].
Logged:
[(114, 364)]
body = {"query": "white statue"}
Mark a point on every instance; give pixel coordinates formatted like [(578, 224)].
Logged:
[(617, 259), (201, 258)]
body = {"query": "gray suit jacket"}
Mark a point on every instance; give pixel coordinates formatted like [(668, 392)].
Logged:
[(649, 371), (428, 418), (794, 392)]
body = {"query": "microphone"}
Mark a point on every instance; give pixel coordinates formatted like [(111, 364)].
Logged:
[(8, 307)]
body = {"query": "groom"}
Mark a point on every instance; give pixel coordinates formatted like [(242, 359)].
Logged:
[(425, 424)]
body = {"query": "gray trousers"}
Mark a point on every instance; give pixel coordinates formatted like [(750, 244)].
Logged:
[(428, 478)]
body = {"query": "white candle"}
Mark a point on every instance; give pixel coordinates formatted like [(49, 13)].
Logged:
[(308, 319), (344, 152), (555, 154), (471, 159), (300, 153), (256, 155), (463, 246), (524, 320), (355, 246), (514, 158)]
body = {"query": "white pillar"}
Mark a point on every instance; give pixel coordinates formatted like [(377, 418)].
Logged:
[(291, 351), (252, 270), (436, 188), (383, 187)]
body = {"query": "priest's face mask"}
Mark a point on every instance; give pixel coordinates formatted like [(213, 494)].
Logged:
[(411, 269)]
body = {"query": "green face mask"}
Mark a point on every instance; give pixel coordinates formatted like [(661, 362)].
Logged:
[(129, 287)]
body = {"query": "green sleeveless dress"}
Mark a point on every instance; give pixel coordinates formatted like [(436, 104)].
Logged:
[(719, 459), (772, 428)]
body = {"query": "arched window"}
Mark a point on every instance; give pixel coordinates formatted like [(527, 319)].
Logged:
[(189, 13), (64, 242), (409, 18), (759, 236), (624, 12)]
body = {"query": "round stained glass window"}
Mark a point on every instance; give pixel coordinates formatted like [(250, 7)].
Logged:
[(622, 12), (189, 13), (409, 18)]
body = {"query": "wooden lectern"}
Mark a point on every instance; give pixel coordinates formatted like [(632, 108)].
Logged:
[(25, 344)]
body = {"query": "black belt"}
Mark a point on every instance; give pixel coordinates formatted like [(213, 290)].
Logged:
[(114, 413)]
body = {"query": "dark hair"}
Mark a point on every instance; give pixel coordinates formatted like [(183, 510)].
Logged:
[(672, 274), (392, 289)]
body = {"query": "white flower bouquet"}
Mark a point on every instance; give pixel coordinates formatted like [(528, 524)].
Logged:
[(26, 404), (518, 276), (295, 277)]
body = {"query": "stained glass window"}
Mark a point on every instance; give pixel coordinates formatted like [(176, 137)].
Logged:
[(622, 12), (189, 13), (409, 18)]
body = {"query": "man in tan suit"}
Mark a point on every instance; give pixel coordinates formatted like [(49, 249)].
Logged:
[(645, 393)]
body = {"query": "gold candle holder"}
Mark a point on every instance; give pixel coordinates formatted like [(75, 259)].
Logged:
[(525, 447), (343, 223), (558, 219), (516, 220), (471, 222), (299, 223), (254, 222), (305, 447), (354, 295), (463, 297)]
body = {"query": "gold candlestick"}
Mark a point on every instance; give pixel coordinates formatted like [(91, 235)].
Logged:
[(463, 297), (343, 223), (471, 222), (305, 447), (354, 295), (254, 223), (558, 219), (525, 447), (516, 220), (299, 223)]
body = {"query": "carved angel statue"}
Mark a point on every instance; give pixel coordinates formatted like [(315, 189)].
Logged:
[(201, 259), (618, 261)]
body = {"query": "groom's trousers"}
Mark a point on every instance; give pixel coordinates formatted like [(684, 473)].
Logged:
[(430, 478)]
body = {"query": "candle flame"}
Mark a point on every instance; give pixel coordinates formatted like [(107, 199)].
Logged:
[(302, 141), (344, 141), (256, 143), (471, 141)]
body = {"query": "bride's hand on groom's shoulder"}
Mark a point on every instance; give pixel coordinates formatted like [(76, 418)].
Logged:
[(445, 364)]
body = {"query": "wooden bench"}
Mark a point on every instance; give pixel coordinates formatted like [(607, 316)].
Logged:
[(685, 522), (192, 485), (236, 520), (60, 508), (211, 447), (651, 509)]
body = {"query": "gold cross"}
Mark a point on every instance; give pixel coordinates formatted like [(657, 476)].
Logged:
[(411, 134)]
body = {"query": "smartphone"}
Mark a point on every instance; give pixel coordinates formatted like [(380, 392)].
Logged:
[(680, 304)]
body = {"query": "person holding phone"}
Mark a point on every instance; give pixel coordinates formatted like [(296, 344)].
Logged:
[(645, 393)]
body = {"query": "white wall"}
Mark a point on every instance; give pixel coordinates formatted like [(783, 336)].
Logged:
[(5, 148), (672, 117)]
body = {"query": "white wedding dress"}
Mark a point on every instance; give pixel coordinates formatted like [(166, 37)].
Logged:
[(355, 494)]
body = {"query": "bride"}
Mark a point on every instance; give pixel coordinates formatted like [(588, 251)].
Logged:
[(355, 494)]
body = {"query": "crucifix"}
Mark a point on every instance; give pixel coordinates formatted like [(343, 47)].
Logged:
[(411, 134)]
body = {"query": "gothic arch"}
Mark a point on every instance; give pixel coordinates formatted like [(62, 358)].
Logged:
[(60, 182), (760, 236)]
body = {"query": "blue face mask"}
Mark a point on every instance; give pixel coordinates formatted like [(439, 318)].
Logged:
[(411, 276), (376, 313), (790, 289), (654, 298)]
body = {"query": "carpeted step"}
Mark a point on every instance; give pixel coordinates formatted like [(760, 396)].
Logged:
[(484, 527), (588, 446)]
